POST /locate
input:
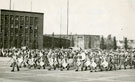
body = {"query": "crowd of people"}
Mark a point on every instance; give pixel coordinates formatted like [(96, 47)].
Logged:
[(70, 59)]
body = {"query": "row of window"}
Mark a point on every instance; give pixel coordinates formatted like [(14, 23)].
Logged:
[(19, 38), (23, 20), (18, 43), (18, 34), (17, 31)]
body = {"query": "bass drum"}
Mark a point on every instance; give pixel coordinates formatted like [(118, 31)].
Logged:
[(20, 60), (64, 64), (78, 63), (51, 61), (30, 62), (93, 65), (41, 63), (70, 61), (87, 63), (105, 64)]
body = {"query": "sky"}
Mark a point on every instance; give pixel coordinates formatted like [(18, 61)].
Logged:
[(95, 17)]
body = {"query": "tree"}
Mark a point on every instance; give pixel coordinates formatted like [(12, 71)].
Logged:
[(72, 41), (52, 46), (102, 43), (125, 43), (114, 43), (109, 42)]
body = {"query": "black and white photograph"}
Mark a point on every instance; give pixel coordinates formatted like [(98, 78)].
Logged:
[(67, 40)]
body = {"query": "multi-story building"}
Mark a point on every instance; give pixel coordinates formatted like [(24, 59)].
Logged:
[(82, 41), (21, 28)]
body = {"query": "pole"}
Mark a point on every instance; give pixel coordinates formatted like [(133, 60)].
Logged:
[(31, 6), (67, 22), (10, 4), (60, 25), (67, 15), (13, 6)]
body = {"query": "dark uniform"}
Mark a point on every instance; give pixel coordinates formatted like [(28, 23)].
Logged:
[(15, 62)]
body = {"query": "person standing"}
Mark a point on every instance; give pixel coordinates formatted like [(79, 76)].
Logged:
[(15, 61)]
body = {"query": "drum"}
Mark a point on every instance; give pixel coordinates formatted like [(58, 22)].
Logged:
[(41, 63), (20, 60), (87, 63), (70, 61), (64, 64), (104, 64), (30, 62), (78, 62), (51, 61), (94, 64)]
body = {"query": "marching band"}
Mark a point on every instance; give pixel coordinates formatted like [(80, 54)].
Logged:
[(79, 60)]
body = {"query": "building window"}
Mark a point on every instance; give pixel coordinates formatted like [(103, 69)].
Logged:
[(35, 32), (16, 20), (79, 36), (12, 26), (26, 29), (36, 27), (11, 29), (0, 42), (35, 35), (21, 20), (6, 19), (36, 21), (6, 31), (11, 19), (1, 29), (22, 42), (31, 30), (5, 42), (16, 31), (35, 43), (26, 20), (21, 29), (31, 20), (27, 40), (15, 44), (2, 19), (16, 26)]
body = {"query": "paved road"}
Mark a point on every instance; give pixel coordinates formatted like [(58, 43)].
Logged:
[(27, 75)]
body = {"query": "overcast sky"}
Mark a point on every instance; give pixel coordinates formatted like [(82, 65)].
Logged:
[(96, 17)]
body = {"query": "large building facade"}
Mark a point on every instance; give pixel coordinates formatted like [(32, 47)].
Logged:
[(21, 28), (55, 42), (81, 41)]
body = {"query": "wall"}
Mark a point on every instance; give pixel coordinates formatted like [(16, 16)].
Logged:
[(21, 28), (55, 42)]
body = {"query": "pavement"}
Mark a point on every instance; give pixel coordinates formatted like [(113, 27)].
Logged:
[(43, 75)]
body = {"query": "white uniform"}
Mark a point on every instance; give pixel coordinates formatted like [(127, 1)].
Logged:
[(83, 56)]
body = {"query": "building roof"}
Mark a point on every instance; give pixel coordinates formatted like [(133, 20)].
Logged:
[(21, 11)]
